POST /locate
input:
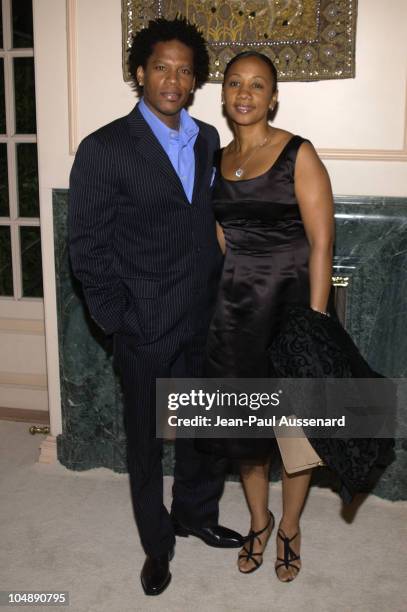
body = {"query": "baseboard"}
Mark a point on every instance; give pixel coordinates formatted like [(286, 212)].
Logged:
[(48, 450)]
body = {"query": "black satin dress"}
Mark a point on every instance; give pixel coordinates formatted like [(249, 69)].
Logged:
[(265, 268), (265, 273)]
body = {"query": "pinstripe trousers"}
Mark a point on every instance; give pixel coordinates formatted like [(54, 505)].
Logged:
[(197, 484)]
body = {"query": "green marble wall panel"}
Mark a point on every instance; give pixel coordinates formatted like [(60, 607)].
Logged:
[(90, 392), (371, 249)]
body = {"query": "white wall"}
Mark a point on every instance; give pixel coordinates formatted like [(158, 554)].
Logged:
[(358, 125)]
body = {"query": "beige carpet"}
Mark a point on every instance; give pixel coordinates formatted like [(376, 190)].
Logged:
[(70, 531)]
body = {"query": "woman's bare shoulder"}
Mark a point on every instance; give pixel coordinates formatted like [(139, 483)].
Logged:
[(281, 136)]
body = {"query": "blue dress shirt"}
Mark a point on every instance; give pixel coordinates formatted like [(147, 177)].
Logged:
[(178, 145)]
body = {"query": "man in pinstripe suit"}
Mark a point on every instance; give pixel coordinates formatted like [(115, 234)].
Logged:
[(143, 244)]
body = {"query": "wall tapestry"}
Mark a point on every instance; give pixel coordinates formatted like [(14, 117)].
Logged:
[(308, 40)]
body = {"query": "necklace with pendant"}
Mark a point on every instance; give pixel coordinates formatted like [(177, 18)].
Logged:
[(240, 170)]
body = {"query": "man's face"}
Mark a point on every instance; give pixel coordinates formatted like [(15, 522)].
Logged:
[(168, 80)]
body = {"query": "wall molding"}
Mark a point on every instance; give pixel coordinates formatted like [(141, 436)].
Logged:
[(28, 381), (72, 50), (365, 154), (391, 155), (21, 415), (22, 326)]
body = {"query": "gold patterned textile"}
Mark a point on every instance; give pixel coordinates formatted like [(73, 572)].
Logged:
[(308, 40)]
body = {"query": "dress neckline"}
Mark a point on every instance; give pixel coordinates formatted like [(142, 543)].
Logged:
[(263, 173)]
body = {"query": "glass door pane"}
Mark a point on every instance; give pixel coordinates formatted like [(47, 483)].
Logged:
[(31, 261), (24, 86), (6, 272), (4, 205), (27, 172), (22, 11), (1, 26), (2, 99)]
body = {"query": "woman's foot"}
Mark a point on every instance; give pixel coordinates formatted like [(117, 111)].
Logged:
[(251, 556), (288, 563)]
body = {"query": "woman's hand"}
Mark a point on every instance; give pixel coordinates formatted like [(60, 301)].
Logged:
[(314, 195)]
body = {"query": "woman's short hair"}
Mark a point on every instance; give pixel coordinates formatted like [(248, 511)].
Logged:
[(261, 57)]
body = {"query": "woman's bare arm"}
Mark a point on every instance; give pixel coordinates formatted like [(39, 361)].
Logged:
[(314, 195)]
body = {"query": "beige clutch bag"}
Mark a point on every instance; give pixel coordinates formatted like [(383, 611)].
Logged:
[(296, 452)]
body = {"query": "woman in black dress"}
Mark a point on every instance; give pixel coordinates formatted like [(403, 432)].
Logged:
[(273, 203)]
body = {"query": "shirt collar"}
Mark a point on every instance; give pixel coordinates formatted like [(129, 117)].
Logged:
[(188, 128)]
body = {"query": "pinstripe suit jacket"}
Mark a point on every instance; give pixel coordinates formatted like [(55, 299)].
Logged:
[(148, 260)]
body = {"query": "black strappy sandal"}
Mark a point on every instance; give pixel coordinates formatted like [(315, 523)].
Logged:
[(289, 555), (249, 555)]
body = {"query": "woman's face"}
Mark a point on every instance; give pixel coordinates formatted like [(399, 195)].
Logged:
[(248, 91)]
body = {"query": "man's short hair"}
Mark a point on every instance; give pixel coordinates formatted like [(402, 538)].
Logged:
[(164, 30)]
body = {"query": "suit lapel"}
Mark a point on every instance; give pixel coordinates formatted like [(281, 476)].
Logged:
[(148, 147), (201, 159)]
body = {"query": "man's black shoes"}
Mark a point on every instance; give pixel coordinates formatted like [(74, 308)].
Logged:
[(155, 575), (212, 535)]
